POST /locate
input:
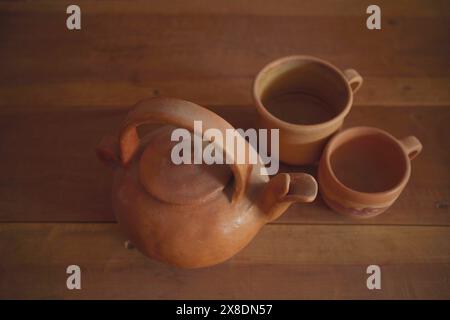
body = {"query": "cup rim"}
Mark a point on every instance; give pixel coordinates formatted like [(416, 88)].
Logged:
[(326, 156), (293, 126)]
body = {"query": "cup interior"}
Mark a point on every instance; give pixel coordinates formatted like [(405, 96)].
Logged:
[(370, 162), (302, 91)]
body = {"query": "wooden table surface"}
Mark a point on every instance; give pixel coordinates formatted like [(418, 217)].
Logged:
[(61, 90)]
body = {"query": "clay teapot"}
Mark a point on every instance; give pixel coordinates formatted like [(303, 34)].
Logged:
[(190, 215)]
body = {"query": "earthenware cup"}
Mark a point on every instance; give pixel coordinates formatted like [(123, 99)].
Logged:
[(363, 170), (307, 99)]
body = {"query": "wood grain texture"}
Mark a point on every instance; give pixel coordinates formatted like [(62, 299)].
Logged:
[(61, 91), (50, 171), (315, 262), (126, 50), (399, 8)]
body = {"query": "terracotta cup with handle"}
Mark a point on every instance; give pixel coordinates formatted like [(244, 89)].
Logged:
[(363, 170), (307, 99)]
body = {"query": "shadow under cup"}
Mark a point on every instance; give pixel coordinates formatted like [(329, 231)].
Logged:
[(306, 99)]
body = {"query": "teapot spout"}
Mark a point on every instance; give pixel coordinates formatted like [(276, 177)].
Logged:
[(285, 189)]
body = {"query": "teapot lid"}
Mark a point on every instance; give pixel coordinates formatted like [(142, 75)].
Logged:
[(178, 184)]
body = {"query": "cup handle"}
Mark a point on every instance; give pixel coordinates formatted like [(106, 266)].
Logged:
[(354, 79), (412, 146)]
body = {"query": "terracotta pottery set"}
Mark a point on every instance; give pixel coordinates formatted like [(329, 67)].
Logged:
[(190, 215), (197, 215), (362, 170)]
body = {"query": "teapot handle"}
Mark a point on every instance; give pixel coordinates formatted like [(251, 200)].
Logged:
[(182, 114)]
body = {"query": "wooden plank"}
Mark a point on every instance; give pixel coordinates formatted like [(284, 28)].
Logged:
[(315, 262), (61, 91), (50, 172), (403, 8), (121, 56), (376, 91), (426, 197)]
